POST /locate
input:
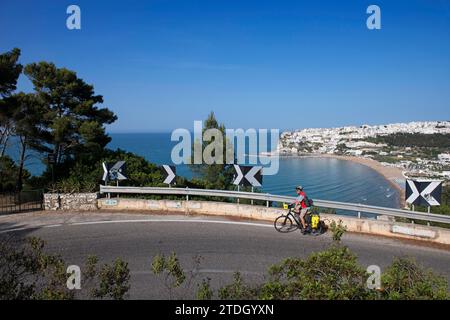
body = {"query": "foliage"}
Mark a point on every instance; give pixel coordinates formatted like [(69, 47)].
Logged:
[(331, 274), (10, 70), (8, 174), (62, 116), (237, 290), (338, 230), (204, 291), (406, 280), (73, 185), (420, 140), (139, 171), (27, 272), (170, 267), (176, 280), (215, 175), (27, 125), (341, 148), (74, 121), (113, 280)]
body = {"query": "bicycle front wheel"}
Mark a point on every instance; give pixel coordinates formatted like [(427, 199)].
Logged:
[(283, 224)]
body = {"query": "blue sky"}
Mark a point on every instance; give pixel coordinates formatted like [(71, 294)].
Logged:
[(162, 64)]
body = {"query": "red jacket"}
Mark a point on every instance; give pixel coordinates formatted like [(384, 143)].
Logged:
[(301, 198)]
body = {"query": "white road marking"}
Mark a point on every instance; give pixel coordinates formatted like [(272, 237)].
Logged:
[(137, 221), (16, 229)]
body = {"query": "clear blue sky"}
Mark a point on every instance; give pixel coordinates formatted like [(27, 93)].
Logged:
[(162, 64)]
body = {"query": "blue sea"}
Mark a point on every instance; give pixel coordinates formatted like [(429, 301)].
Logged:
[(322, 178)]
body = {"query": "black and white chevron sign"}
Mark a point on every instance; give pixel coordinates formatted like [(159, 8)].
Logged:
[(171, 172), (114, 172), (423, 192), (248, 176)]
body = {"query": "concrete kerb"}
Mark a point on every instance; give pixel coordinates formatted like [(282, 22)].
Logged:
[(366, 226)]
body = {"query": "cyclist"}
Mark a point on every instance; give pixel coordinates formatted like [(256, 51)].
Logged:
[(300, 206)]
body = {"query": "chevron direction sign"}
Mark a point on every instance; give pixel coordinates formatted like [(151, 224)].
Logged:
[(171, 172), (423, 192), (248, 176), (114, 172)]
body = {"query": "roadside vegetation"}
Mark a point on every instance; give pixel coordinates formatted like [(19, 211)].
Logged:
[(28, 272), (332, 274)]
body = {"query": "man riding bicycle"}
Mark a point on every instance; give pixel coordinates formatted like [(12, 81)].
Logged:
[(301, 206)]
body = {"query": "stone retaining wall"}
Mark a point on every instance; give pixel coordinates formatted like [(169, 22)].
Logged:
[(70, 201)]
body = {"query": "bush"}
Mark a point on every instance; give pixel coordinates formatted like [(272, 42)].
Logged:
[(237, 290), (338, 230), (113, 281), (331, 274), (28, 273), (204, 291), (178, 282), (407, 280)]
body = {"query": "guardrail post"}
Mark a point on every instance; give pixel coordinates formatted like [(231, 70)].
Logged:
[(359, 215), (267, 201), (187, 193), (238, 191)]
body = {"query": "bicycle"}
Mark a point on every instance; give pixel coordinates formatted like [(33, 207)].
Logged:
[(285, 224)]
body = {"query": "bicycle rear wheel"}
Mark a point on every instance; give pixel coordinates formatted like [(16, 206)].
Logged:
[(283, 224)]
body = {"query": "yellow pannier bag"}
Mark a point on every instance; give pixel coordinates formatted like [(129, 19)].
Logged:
[(315, 221)]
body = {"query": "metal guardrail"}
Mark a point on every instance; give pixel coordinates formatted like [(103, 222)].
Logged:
[(399, 213)]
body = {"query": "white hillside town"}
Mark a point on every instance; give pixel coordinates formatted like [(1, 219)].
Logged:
[(367, 141)]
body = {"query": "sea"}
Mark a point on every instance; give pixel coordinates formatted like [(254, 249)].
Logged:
[(322, 178)]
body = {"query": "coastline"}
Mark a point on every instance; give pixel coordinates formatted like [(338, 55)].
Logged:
[(391, 174)]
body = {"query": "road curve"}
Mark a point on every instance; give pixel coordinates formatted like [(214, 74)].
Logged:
[(226, 246)]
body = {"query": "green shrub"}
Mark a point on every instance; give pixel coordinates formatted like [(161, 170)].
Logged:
[(331, 274), (406, 280)]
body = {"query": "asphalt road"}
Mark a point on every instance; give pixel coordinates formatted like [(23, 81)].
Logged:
[(225, 246)]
